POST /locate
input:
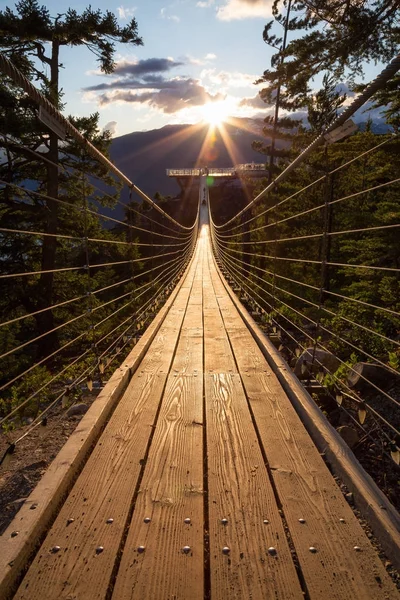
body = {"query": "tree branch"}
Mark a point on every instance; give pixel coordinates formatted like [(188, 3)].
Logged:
[(40, 52)]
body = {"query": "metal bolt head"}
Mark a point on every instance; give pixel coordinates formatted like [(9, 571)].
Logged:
[(357, 548), (141, 549), (312, 549), (186, 549), (224, 521), (266, 522), (14, 533), (342, 521), (147, 519), (99, 549), (33, 506), (272, 551), (109, 521), (55, 549), (302, 521), (187, 521), (225, 550), (70, 520)]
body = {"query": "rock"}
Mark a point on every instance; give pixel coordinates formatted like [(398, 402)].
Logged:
[(321, 357), (77, 409), (375, 373), (349, 435)]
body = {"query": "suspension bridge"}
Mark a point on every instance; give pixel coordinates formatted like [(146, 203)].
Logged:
[(203, 469)]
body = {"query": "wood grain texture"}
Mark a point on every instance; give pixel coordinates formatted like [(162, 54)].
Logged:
[(239, 490), (171, 490), (106, 486), (218, 355), (372, 502), (47, 496), (304, 484), (149, 464)]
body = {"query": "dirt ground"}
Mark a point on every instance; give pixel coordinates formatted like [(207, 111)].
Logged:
[(31, 458)]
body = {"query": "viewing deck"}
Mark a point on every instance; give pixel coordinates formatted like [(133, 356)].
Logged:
[(253, 169)]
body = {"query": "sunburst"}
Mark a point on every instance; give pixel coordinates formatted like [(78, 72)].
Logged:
[(215, 113)]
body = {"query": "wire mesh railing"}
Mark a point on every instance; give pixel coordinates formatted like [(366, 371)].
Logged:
[(318, 263), (82, 273)]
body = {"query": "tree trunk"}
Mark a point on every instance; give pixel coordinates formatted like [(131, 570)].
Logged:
[(45, 320)]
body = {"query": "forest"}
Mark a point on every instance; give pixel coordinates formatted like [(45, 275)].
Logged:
[(78, 285), (316, 258), (316, 261)]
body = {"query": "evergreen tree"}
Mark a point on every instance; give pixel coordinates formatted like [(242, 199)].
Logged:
[(24, 38), (388, 99), (323, 107), (335, 36)]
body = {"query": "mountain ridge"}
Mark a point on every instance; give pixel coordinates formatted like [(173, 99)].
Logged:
[(144, 156)]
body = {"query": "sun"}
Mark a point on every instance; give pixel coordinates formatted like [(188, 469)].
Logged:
[(214, 113)]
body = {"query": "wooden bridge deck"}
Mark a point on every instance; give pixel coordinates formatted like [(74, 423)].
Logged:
[(204, 483)]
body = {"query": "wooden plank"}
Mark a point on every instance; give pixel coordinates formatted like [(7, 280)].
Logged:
[(218, 354), (168, 513), (16, 551), (374, 505), (106, 487), (170, 492), (239, 489), (308, 491), (315, 510)]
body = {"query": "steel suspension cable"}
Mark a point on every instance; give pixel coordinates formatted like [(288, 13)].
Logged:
[(127, 207), (323, 308), (79, 209), (11, 71), (394, 137), (387, 74), (324, 348)]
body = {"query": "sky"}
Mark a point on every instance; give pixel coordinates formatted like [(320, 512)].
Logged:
[(198, 62)]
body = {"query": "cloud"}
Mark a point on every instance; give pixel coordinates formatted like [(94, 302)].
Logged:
[(205, 3), (244, 9), (192, 60), (255, 102), (164, 15), (147, 65), (169, 96), (125, 13), (228, 79), (145, 82), (111, 127)]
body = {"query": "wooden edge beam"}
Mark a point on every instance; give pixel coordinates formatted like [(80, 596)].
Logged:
[(371, 501), (41, 507)]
